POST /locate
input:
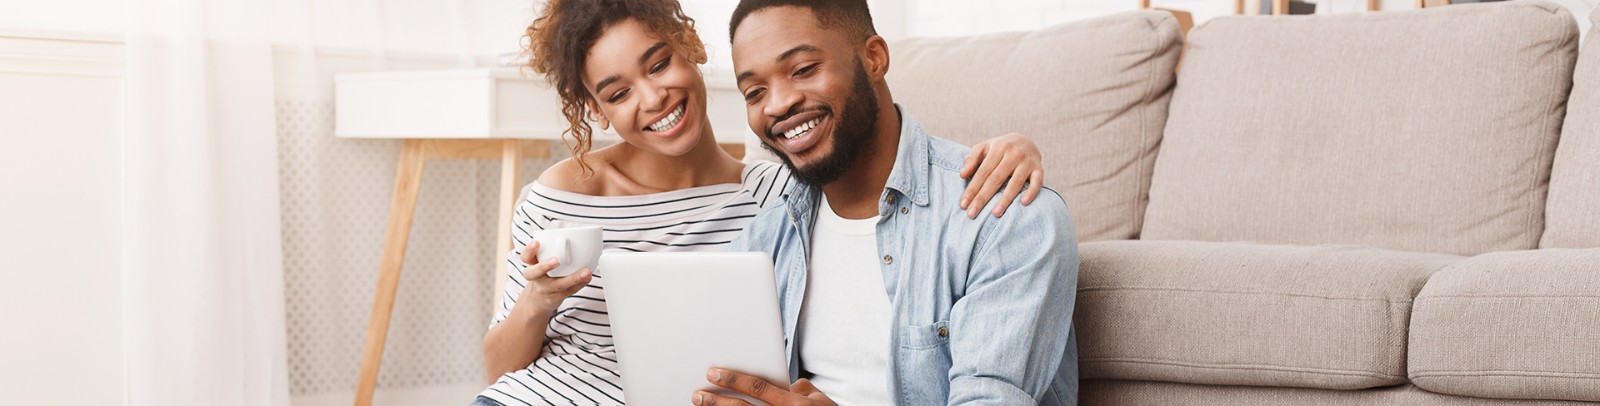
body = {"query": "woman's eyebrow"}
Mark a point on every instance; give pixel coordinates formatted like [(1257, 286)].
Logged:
[(642, 59), (651, 52)]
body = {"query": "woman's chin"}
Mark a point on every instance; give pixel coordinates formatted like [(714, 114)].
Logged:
[(670, 147)]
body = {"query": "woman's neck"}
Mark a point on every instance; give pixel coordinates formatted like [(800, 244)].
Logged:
[(706, 164)]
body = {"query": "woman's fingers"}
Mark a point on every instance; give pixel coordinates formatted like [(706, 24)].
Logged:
[(535, 272), (1009, 194), (530, 253), (567, 285), (1035, 182), (973, 197), (971, 164), (989, 184)]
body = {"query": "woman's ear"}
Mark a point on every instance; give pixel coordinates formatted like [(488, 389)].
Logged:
[(598, 117)]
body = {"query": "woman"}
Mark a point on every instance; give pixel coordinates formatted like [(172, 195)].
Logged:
[(631, 65)]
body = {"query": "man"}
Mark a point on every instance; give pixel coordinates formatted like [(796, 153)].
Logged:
[(889, 294)]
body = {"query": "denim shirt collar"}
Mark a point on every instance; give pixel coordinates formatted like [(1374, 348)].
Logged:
[(909, 176)]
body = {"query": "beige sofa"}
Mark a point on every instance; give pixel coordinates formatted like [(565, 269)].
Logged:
[(1375, 208)]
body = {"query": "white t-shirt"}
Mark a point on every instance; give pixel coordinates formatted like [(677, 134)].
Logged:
[(843, 331)]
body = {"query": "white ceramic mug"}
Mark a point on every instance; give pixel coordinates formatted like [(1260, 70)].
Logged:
[(576, 248)]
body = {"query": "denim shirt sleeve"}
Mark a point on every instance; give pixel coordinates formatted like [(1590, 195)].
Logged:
[(1014, 283)]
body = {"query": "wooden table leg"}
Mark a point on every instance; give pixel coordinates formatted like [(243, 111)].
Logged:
[(510, 171), (407, 181)]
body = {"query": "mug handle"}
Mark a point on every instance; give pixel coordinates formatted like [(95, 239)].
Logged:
[(555, 248)]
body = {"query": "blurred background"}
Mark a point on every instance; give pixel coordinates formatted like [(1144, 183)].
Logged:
[(180, 226)]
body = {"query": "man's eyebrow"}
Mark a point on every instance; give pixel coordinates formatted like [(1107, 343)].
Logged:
[(797, 49), (781, 57)]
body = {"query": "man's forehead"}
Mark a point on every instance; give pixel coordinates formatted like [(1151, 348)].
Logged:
[(776, 32)]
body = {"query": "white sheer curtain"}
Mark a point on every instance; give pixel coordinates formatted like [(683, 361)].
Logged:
[(205, 314), (204, 291)]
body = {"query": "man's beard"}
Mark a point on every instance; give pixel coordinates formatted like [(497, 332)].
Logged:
[(852, 137)]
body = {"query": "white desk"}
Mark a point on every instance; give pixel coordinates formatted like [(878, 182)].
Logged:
[(457, 114)]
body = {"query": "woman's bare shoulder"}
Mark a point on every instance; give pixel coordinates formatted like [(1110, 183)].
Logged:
[(570, 176)]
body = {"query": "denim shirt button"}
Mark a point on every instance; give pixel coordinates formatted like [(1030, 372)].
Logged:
[(888, 260), (904, 210), (943, 332), (890, 199)]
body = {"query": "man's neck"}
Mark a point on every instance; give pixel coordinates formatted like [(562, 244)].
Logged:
[(855, 195)]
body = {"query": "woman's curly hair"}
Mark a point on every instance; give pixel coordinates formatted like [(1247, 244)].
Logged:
[(559, 39)]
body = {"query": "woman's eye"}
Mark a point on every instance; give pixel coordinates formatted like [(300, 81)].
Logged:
[(617, 97), (660, 66)]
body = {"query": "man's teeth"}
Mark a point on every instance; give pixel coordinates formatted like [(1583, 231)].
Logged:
[(801, 129), (668, 121)]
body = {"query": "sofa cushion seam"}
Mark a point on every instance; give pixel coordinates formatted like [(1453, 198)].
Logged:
[(1241, 367), (1289, 294)]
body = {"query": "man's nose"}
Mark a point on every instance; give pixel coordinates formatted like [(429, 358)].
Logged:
[(781, 101)]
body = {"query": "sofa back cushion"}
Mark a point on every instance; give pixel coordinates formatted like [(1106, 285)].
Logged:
[(1572, 219), (1427, 130), (1092, 94)]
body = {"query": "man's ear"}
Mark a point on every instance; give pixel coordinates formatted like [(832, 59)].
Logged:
[(875, 57)]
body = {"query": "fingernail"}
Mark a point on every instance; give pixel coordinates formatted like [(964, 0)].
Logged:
[(699, 397), (964, 200), (714, 375)]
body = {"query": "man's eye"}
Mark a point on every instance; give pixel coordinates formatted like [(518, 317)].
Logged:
[(753, 94), (616, 97), (806, 70)]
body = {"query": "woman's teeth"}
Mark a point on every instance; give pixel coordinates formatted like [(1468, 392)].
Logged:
[(801, 129), (668, 121)]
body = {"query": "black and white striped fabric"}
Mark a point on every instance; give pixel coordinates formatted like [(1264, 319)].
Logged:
[(578, 364)]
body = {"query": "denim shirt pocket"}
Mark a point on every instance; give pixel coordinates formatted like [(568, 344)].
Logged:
[(924, 337)]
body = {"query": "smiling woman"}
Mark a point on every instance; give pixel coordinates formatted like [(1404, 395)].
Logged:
[(562, 43)]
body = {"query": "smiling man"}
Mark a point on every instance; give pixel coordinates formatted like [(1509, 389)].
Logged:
[(889, 293)]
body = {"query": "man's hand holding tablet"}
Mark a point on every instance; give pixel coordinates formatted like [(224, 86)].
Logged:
[(799, 393)]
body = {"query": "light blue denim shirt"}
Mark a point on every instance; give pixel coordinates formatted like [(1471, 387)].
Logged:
[(981, 309)]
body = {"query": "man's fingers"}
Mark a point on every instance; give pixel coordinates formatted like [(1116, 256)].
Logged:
[(530, 253), (803, 387), (749, 385), (703, 398)]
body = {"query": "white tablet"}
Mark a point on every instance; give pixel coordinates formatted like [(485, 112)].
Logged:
[(676, 315)]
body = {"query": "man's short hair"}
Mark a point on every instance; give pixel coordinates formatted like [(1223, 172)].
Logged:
[(849, 16)]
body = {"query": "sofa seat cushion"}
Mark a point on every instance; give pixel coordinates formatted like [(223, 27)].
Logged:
[(1572, 219), (1246, 314), (1166, 393), (1092, 94), (1515, 325), (1411, 130)]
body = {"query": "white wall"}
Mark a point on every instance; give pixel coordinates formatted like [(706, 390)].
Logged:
[(966, 17), (61, 302)]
